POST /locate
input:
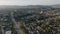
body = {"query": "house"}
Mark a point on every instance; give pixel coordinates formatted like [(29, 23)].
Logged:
[(8, 32)]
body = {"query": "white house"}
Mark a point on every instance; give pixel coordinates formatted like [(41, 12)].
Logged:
[(8, 32)]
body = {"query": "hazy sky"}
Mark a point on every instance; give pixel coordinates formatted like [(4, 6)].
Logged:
[(29, 2)]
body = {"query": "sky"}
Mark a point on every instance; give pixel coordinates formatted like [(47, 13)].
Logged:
[(29, 2)]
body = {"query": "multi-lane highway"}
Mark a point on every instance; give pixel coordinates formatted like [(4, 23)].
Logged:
[(16, 25)]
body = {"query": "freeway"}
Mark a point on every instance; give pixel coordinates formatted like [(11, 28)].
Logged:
[(15, 24), (1, 30)]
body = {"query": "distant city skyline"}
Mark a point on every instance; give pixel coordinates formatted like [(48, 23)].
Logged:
[(29, 2)]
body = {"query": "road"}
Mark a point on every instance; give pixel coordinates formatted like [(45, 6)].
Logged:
[(17, 26), (2, 30)]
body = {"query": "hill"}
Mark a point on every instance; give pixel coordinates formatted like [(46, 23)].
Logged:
[(56, 6)]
